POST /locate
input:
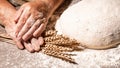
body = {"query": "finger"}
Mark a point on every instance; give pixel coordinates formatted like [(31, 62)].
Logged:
[(32, 30), (28, 46), (18, 43), (26, 27), (38, 32), (40, 41), (35, 44), (24, 16), (18, 14)]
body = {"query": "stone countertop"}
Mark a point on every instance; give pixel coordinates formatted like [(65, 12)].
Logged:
[(11, 57)]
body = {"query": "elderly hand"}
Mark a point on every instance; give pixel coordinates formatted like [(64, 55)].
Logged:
[(31, 20)]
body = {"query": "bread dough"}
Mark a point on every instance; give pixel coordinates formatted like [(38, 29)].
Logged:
[(93, 23)]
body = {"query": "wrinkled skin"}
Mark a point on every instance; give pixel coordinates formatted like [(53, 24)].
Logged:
[(26, 24), (32, 45), (29, 19), (32, 18)]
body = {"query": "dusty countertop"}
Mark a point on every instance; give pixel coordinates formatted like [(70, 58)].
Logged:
[(11, 57)]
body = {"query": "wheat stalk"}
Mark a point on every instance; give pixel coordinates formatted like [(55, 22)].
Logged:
[(58, 45)]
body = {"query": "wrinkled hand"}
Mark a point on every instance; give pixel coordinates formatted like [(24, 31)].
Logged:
[(30, 20), (10, 28), (33, 45)]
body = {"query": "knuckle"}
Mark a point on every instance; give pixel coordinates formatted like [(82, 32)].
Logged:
[(28, 25), (36, 25), (39, 15), (23, 20), (26, 16)]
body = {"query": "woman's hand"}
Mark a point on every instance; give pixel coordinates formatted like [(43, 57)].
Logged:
[(31, 20)]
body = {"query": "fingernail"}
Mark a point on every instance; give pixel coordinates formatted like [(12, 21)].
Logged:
[(21, 48), (24, 38), (19, 37)]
